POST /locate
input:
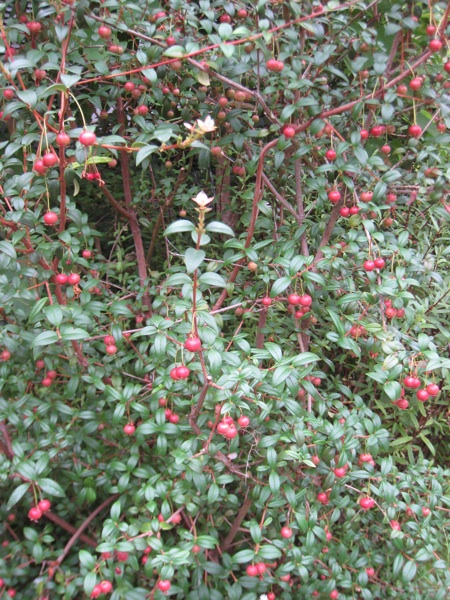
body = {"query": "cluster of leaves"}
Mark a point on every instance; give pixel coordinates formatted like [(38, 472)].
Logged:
[(315, 173)]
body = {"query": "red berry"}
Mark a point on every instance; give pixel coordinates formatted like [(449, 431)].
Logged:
[(129, 428), (193, 344), (366, 196), (435, 45), (402, 403), (164, 585), (415, 131), (322, 498), (366, 503), (96, 592), (422, 395), (386, 149), (447, 66), (252, 570), (369, 265), (391, 312), (266, 301), (364, 134), (370, 571), (305, 300), (339, 472), (225, 19), (111, 349), (50, 218), (34, 27), (425, 511), (433, 389), (330, 154), (121, 556), (9, 93), (174, 418), (354, 210), (274, 65), (395, 525), (365, 457), (106, 586), (104, 32), (231, 433), (87, 138), (294, 299), (344, 211), (44, 505), (5, 355), (73, 279), (86, 254), (289, 132), (39, 167), (377, 130), (415, 83), (183, 372), (63, 139), (109, 340), (286, 532), (334, 594), (50, 159), (222, 428), (242, 13), (47, 382), (174, 374), (379, 263), (243, 421), (35, 514), (334, 196)]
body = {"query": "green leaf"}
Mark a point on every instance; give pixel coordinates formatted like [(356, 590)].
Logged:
[(179, 226), (70, 80), (45, 339), (27, 97), (217, 227), (174, 52), (213, 279), (304, 359), (281, 374), (144, 152), (50, 487), (279, 286), (8, 249), (73, 333), (193, 259), (393, 390), (17, 494), (268, 552), (86, 559), (213, 493), (243, 556), (409, 571), (54, 315)]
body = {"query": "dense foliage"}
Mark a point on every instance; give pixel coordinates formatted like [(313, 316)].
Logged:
[(224, 283)]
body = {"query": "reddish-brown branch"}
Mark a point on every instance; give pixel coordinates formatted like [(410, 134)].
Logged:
[(236, 524), (70, 528), (132, 216), (83, 526), (116, 205), (7, 440)]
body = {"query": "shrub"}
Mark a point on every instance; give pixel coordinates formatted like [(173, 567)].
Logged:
[(224, 354)]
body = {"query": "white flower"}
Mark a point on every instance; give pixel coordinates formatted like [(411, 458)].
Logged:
[(263, 597), (201, 126), (202, 199), (206, 126)]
